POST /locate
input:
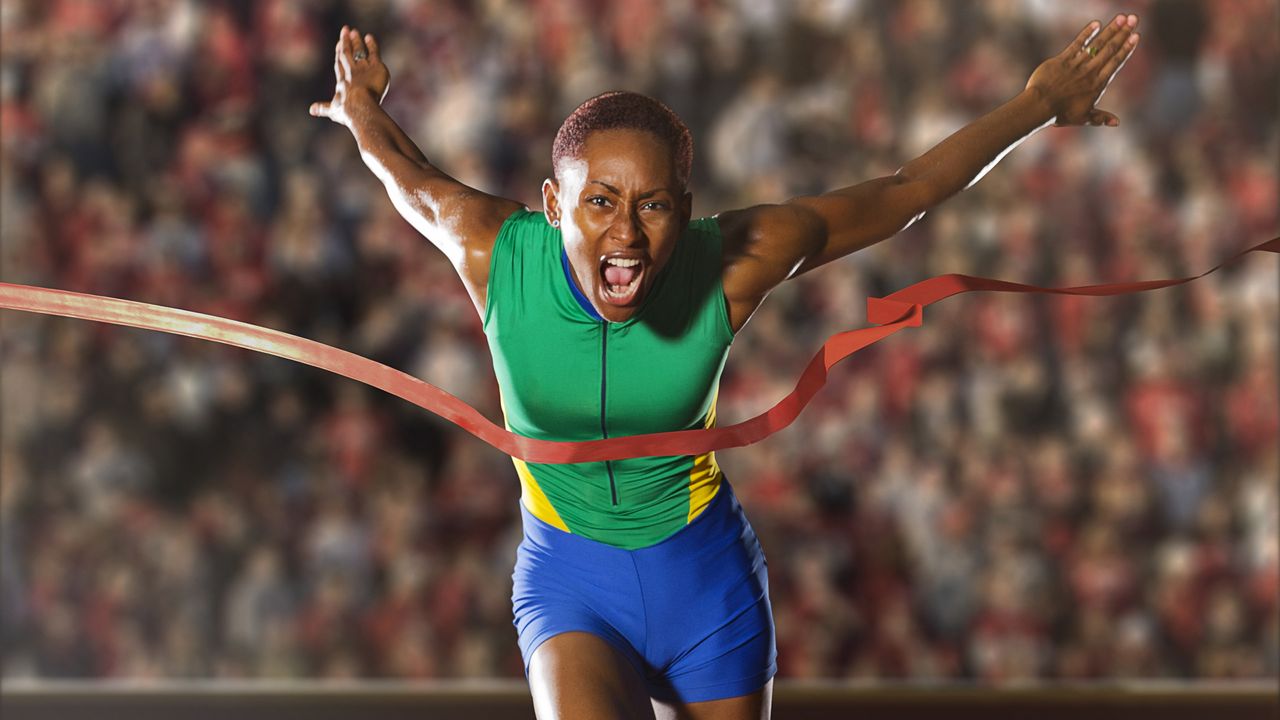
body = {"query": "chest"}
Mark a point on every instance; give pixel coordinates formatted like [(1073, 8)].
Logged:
[(582, 381)]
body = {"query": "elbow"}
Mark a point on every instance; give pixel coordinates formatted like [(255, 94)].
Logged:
[(918, 196), (906, 175), (912, 182)]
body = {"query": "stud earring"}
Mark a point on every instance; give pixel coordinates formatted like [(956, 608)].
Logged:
[(555, 223)]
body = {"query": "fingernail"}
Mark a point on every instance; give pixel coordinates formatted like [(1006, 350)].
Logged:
[(1133, 20), (1133, 39), (1120, 19)]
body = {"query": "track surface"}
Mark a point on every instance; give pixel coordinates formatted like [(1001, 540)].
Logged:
[(501, 700)]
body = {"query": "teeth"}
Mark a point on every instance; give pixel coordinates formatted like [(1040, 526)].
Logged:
[(623, 290), (623, 262)]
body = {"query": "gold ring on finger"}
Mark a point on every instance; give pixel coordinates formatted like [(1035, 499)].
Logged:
[(360, 55), (1093, 50)]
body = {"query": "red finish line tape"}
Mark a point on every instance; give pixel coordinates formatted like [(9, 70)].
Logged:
[(901, 309)]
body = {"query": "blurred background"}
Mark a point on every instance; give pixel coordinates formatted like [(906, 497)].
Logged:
[(1024, 488)]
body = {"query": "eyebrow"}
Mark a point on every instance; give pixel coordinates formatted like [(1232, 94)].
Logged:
[(616, 191)]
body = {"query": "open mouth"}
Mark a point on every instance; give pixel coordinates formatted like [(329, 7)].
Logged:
[(621, 279)]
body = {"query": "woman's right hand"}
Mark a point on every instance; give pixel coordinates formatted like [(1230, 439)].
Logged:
[(360, 73)]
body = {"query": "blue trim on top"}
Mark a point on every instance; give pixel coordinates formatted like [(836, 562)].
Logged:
[(573, 285)]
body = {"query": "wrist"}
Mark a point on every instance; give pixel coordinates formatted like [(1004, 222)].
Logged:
[(362, 99), (362, 110), (1036, 98)]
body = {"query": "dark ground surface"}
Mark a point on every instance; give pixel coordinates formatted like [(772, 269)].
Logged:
[(497, 701)]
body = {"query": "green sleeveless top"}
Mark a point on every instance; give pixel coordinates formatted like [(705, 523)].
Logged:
[(563, 375)]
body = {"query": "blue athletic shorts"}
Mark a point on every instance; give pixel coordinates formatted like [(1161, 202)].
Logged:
[(691, 613)]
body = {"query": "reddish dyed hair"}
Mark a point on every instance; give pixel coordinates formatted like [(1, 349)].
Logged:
[(624, 110)]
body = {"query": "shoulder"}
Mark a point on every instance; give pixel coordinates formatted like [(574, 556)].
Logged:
[(495, 221), (768, 231), (704, 226), (475, 219), (763, 246), (521, 227), (523, 221), (524, 217), (479, 221)]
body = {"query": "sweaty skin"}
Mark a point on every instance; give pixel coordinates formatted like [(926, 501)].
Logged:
[(574, 675)]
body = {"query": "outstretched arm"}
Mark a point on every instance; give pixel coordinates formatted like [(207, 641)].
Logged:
[(767, 244), (460, 220)]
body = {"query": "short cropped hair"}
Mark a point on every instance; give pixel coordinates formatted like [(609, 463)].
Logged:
[(624, 110)]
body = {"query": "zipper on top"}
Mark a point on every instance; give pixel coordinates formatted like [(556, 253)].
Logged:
[(604, 429)]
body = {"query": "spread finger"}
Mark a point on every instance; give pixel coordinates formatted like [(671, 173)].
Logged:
[(344, 56)]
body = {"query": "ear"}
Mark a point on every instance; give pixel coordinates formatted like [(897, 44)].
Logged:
[(551, 199)]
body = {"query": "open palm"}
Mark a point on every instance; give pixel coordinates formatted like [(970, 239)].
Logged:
[(358, 66)]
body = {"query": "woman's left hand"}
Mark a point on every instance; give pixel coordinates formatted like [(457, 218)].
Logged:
[(1073, 81)]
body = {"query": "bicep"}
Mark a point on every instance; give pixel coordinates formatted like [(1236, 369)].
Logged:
[(765, 245), (458, 219), (861, 215), (762, 246), (461, 221)]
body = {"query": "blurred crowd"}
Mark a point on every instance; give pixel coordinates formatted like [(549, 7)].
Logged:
[(1026, 487)]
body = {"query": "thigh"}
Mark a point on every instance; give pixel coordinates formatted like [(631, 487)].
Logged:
[(754, 706), (710, 622), (576, 675)]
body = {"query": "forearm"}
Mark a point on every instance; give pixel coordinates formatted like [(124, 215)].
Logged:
[(384, 146), (1062, 90), (420, 192), (969, 153)]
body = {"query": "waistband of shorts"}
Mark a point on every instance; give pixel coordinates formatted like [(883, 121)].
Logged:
[(721, 520)]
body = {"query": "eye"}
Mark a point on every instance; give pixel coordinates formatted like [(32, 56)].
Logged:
[(655, 206), (603, 201)]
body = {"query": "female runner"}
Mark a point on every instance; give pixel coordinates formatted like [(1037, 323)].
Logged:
[(640, 588)]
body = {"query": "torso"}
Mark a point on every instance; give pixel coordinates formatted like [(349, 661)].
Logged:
[(567, 376)]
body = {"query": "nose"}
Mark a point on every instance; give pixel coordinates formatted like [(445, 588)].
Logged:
[(626, 227)]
